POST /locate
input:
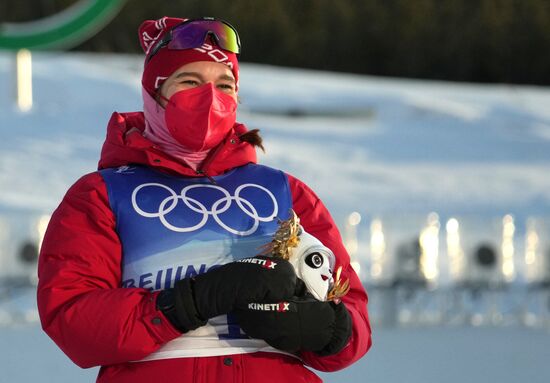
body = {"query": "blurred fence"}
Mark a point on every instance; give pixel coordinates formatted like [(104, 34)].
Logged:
[(21, 234), (419, 270)]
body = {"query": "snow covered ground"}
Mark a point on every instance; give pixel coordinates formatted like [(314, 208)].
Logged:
[(396, 149), (427, 355), (364, 143)]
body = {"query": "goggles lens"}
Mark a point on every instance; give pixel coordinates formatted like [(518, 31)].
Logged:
[(193, 33)]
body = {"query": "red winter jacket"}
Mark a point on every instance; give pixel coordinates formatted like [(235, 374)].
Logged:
[(97, 323)]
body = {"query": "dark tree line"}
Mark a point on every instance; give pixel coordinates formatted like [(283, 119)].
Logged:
[(464, 40)]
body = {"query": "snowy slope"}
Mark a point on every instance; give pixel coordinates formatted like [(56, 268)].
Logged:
[(387, 145)]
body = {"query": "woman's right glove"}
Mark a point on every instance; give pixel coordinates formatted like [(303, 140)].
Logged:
[(193, 301)]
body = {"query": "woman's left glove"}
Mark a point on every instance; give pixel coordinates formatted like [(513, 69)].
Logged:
[(194, 300), (298, 325)]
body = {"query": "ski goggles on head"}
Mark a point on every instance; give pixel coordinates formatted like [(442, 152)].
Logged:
[(192, 34)]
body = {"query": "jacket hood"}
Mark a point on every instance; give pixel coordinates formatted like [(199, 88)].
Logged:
[(125, 145)]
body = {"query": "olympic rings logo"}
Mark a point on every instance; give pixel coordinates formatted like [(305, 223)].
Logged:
[(220, 206)]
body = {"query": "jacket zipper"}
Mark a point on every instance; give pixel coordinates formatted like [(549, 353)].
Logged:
[(203, 170), (203, 173)]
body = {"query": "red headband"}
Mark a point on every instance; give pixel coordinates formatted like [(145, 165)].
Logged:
[(166, 61)]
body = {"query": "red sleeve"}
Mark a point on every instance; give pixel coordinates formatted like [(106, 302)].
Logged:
[(317, 221), (81, 305)]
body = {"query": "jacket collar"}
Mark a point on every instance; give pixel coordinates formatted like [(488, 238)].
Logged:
[(125, 145)]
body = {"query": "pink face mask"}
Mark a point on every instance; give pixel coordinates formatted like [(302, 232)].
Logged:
[(200, 118)]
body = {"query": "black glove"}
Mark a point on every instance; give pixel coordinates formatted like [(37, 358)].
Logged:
[(300, 324), (194, 300)]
